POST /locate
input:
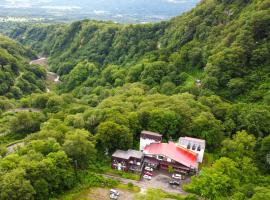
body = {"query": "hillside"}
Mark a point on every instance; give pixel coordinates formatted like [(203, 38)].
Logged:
[(17, 77), (204, 74), (222, 42)]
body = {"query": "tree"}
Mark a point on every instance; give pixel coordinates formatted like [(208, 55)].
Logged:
[(26, 122), (112, 136), (167, 88), (44, 147), (205, 126), (220, 179), (79, 146), (79, 74), (242, 144), (163, 121), (3, 150), (261, 193), (54, 104), (264, 153), (76, 121), (14, 186), (252, 118), (155, 71)]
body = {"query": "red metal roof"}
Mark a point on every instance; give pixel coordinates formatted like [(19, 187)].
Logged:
[(174, 152)]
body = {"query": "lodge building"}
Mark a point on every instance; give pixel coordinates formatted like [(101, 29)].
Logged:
[(130, 160), (184, 156)]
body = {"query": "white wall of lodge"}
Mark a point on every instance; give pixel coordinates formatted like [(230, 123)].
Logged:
[(197, 146), (145, 141)]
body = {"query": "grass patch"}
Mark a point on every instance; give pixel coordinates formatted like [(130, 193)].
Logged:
[(86, 180), (125, 175), (129, 187), (157, 194), (104, 167)]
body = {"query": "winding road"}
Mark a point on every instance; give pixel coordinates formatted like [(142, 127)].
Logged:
[(12, 148), (51, 76)]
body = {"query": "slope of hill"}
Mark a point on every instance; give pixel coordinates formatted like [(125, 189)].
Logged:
[(172, 77), (226, 43), (17, 77)]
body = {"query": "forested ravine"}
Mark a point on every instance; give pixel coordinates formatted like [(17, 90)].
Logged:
[(205, 74), (51, 76)]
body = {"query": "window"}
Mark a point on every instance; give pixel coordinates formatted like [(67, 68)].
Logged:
[(193, 147), (188, 146), (160, 157), (199, 148)]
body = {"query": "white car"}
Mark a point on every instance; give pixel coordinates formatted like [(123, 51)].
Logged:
[(147, 177), (149, 169), (113, 196), (115, 192), (177, 176)]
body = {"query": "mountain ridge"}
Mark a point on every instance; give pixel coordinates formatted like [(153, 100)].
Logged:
[(192, 41)]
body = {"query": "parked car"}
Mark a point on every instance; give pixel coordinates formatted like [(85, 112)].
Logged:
[(149, 169), (148, 173), (174, 182), (113, 196), (177, 176), (147, 177), (154, 166), (113, 191)]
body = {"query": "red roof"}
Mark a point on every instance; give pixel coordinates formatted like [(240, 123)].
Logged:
[(174, 152)]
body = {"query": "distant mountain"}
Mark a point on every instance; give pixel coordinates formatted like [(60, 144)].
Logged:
[(138, 11)]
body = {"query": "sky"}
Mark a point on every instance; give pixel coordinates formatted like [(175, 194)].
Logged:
[(152, 10)]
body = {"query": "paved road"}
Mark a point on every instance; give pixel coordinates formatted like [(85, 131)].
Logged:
[(15, 110), (144, 185), (12, 148)]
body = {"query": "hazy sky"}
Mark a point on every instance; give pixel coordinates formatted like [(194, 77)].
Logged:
[(162, 9)]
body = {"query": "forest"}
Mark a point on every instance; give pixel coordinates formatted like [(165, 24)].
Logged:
[(204, 74)]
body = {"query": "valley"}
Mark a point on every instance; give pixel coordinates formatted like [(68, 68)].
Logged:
[(177, 109), (51, 76)]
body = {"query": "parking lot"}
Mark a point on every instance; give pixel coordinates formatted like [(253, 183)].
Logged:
[(161, 179), (103, 194)]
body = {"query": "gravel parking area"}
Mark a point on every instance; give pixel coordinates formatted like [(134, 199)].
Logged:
[(161, 180), (103, 194)]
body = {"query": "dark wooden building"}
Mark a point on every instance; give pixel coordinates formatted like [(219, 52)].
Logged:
[(130, 160)]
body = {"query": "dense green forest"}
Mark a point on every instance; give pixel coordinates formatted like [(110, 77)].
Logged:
[(223, 43), (204, 74), (17, 76)]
